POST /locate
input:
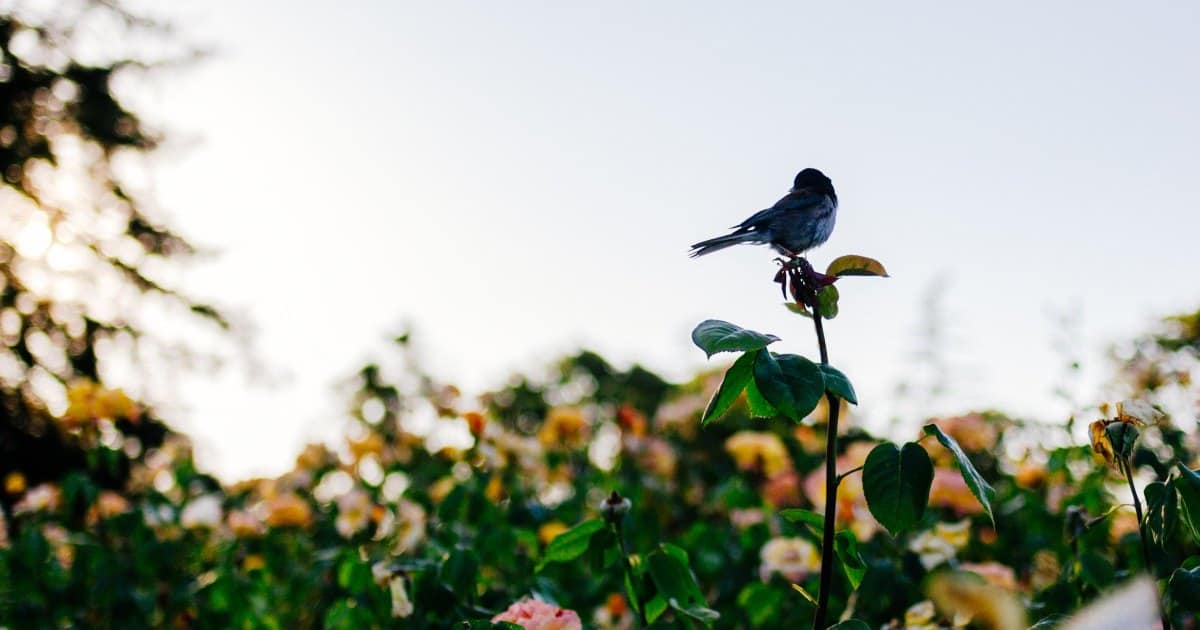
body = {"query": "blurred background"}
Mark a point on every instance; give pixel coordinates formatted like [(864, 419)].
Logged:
[(512, 183)]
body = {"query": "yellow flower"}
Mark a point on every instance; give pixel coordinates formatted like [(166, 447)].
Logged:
[(957, 534), (370, 444), (549, 531), (920, 615), (758, 451), (14, 483), (87, 400), (564, 427), (288, 510), (986, 605), (495, 491), (793, 558), (253, 562)]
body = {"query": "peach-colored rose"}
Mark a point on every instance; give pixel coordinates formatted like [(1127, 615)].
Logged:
[(950, 490), (782, 490), (533, 614), (793, 558), (994, 573)]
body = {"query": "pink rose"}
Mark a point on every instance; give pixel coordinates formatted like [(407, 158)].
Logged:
[(533, 614)]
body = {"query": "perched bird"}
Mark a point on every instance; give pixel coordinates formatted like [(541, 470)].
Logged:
[(800, 221)]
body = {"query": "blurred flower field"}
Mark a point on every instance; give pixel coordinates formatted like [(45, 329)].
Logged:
[(383, 531)]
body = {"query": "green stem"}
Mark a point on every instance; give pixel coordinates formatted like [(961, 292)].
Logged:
[(831, 487), (1137, 508), (638, 606)]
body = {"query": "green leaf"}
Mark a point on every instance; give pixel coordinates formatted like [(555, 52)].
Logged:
[(855, 266), (460, 572), (807, 517), (838, 384), (1184, 587), (850, 624), (571, 544), (896, 483), (656, 607), (846, 547), (983, 492), (673, 578), (1162, 511), (798, 308), (791, 383), (1096, 570), (736, 378), (714, 335), (1188, 487), (827, 301), (759, 407), (760, 603), (699, 613)]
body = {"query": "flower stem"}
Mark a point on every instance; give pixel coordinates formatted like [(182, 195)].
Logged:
[(1137, 508), (831, 487), (638, 606)]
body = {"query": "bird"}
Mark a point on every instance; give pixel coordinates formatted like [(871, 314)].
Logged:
[(800, 221)]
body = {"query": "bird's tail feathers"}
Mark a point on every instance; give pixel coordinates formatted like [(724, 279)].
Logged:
[(717, 244)]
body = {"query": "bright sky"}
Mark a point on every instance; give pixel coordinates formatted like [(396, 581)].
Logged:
[(520, 179)]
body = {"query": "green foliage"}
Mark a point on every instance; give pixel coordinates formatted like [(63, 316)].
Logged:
[(790, 383), (713, 336), (975, 481), (896, 482)]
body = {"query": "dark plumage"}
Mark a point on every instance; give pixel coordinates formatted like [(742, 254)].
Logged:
[(800, 221)]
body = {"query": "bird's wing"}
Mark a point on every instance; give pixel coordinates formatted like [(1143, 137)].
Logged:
[(792, 202)]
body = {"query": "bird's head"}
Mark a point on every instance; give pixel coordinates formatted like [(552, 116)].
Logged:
[(812, 180)]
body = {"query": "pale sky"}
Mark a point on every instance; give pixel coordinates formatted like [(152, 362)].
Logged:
[(518, 179)]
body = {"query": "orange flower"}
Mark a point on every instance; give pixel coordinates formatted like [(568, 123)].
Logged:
[(476, 423), (14, 483), (631, 420), (288, 510)]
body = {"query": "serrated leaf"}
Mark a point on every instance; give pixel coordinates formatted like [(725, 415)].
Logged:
[(571, 544), (896, 484), (791, 383), (713, 336), (732, 386), (855, 266), (837, 383), (827, 301), (983, 492)]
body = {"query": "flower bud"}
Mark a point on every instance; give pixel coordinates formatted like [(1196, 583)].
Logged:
[(614, 507)]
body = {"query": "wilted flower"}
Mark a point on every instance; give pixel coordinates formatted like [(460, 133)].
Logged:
[(564, 427), (533, 614), (203, 511), (288, 510), (758, 451), (1102, 446), (42, 498), (793, 558), (354, 511)]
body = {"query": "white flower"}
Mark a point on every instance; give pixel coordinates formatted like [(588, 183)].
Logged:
[(203, 511), (933, 549), (354, 511), (410, 525), (402, 606)]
